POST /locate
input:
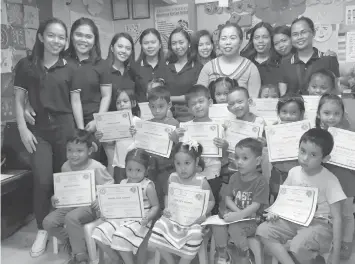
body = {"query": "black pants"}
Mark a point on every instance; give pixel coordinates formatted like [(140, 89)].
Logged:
[(48, 158), (216, 185)]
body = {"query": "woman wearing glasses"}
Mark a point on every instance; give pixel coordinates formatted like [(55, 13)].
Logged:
[(297, 68)]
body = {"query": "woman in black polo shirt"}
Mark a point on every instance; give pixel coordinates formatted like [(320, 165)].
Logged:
[(150, 64), (92, 76), (296, 69), (184, 71), (45, 77), (260, 50), (119, 59)]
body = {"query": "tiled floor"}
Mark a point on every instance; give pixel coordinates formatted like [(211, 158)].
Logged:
[(15, 249)]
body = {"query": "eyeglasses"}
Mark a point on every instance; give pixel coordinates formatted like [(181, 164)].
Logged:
[(302, 33)]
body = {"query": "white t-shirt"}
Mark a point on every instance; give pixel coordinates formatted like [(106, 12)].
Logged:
[(329, 189)]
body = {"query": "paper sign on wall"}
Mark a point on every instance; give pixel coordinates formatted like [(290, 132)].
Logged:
[(350, 47)]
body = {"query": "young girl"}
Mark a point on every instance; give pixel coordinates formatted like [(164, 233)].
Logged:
[(44, 78), (269, 91), (330, 113), (290, 108), (66, 223), (321, 82), (125, 100), (127, 236), (220, 88), (186, 158)]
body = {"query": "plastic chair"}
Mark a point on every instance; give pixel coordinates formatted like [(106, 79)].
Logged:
[(90, 242), (254, 245), (202, 252)]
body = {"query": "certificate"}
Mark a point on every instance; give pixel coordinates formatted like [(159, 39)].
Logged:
[(146, 114), (238, 130), (311, 107), (295, 204), (220, 112), (283, 140), (114, 124), (186, 203), (204, 133), (75, 188), (343, 154), (154, 137), (121, 201), (265, 108), (216, 220)]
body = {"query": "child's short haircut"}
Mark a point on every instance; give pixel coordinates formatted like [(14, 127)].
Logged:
[(319, 137), (298, 99), (239, 88), (270, 86), (81, 137), (326, 73), (139, 155), (160, 92), (255, 145), (195, 90)]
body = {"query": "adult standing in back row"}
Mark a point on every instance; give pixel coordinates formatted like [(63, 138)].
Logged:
[(230, 63), (297, 69)]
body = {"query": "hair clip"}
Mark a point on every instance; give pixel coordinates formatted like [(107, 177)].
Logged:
[(191, 143)]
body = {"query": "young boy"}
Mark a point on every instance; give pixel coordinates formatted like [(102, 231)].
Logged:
[(247, 194), (160, 104), (326, 227), (199, 101), (238, 104), (321, 82), (79, 148)]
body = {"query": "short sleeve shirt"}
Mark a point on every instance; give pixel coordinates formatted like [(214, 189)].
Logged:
[(295, 73), (88, 79), (122, 82), (329, 189), (144, 73), (49, 93), (245, 192)]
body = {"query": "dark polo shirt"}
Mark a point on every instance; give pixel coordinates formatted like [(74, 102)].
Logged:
[(49, 94), (269, 70), (296, 73), (143, 73), (88, 78), (122, 82)]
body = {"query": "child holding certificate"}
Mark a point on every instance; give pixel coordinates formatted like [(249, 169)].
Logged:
[(79, 148), (160, 104), (331, 114), (290, 108), (199, 101), (126, 99), (126, 236), (247, 194), (308, 242), (186, 158)]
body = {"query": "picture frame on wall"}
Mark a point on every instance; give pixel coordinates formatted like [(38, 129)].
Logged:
[(140, 9), (120, 9)]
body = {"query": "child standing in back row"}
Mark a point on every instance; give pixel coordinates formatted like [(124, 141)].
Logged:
[(330, 114), (199, 101), (79, 148), (160, 104)]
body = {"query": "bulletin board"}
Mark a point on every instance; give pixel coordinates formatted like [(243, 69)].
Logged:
[(19, 24)]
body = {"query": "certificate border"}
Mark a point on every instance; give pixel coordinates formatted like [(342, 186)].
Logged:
[(91, 173), (167, 154), (219, 154), (251, 124), (130, 117), (268, 142), (140, 194)]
